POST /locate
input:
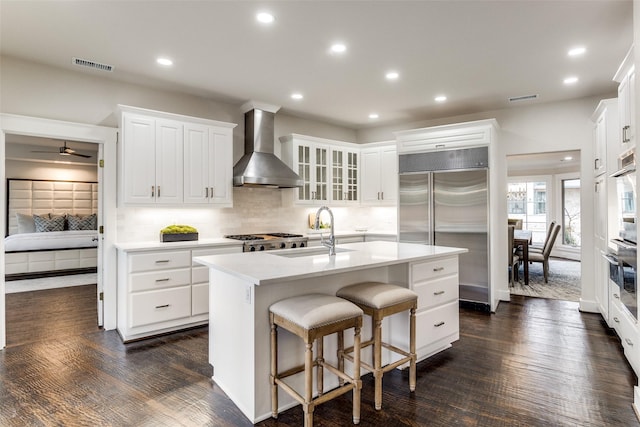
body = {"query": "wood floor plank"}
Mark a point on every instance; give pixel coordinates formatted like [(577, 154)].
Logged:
[(533, 363)]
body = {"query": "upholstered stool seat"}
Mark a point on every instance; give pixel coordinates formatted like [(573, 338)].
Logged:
[(379, 300), (311, 317)]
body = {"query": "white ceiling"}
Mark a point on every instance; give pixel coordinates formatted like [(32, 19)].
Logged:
[(539, 163), (478, 53)]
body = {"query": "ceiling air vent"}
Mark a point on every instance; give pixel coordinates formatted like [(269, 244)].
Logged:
[(92, 64), (522, 98)]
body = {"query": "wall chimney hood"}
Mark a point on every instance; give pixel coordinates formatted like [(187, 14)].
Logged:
[(259, 166)]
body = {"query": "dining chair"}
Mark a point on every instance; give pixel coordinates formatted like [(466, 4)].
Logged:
[(514, 260), (543, 256), (540, 248)]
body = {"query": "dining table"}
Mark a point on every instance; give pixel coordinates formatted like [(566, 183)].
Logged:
[(522, 239)]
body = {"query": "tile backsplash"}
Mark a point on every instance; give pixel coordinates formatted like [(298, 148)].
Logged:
[(255, 210)]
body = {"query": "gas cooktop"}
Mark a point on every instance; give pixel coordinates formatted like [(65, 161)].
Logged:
[(269, 241)]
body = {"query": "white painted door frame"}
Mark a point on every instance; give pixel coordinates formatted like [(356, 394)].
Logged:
[(33, 126)]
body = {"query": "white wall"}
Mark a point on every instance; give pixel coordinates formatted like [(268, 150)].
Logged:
[(50, 171)]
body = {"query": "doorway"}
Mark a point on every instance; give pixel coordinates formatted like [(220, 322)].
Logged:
[(545, 188), (106, 138)]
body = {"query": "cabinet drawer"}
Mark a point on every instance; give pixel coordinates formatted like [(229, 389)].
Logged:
[(159, 279), (199, 299), (431, 269), (159, 260), (159, 306), (436, 292), (435, 324)]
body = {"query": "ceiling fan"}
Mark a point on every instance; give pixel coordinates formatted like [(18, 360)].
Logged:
[(65, 151)]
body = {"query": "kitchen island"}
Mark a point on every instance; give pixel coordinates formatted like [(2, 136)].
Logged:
[(243, 286)]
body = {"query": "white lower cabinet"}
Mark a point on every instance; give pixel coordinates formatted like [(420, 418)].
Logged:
[(163, 290), (437, 318), (625, 326)]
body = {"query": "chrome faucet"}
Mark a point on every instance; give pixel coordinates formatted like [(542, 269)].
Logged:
[(331, 243)]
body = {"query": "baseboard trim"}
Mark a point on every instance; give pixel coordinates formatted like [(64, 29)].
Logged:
[(589, 306)]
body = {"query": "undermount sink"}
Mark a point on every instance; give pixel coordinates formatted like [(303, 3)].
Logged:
[(298, 253)]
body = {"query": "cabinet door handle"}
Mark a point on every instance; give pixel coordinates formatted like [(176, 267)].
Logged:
[(162, 261), (615, 319), (382, 195), (440, 145), (595, 163), (158, 191), (162, 280), (206, 192), (616, 296), (438, 293), (163, 306), (629, 342), (437, 325), (436, 269), (153, 191), (625, 138), (211, 191)]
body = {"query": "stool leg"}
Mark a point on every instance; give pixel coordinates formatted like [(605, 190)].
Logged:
[(356, 375), (341, 355), (377, 361), (308, 384), (412, 349), (319, 368), (274, 370)]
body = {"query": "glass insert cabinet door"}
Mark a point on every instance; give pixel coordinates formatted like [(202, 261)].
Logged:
[(313, 164), (344, 175)]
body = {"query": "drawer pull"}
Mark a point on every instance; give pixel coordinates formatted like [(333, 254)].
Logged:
[(629, 342), (437, 325), (615, 319), (438, 269), (163, 306), (162, 261), (438, 293), (163, 280), (616, 296)]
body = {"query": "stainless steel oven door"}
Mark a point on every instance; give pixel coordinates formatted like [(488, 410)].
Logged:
[(622, 271)]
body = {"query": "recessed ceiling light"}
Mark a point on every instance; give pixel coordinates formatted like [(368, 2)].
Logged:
[(164, 61), (577, 51), (392, 75), (265, 17), (338, 48), (296, 96), (570, 80), (440, 98), (373, 116)]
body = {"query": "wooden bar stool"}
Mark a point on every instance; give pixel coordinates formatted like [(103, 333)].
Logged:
[(311, 317), (379, 300)]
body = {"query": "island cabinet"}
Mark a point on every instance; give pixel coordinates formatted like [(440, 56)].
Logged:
[(243, 286), (162, 290), (437, 318), (168, 159)]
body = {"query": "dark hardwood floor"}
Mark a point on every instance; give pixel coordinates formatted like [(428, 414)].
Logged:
[(535, 362)]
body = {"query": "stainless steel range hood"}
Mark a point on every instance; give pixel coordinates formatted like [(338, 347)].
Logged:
[(259, 166)]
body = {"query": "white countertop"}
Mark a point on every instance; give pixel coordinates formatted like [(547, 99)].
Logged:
[(192, 244), (263, 268)]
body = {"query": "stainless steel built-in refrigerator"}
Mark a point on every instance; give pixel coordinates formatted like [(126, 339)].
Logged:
[(444, 200)]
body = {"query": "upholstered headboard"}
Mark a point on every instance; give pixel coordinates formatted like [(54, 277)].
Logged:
[(40, 197)]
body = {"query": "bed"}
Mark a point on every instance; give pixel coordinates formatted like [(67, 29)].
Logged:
[(51, 228)]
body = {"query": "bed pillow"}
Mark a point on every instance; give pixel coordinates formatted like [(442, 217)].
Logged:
[(26, 224), (89, 222), (44, 223)]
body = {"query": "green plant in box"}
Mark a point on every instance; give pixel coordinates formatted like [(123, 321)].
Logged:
[(178, 233)]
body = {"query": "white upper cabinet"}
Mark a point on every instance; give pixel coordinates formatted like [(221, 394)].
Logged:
[(168, 159), (329, 169), (379, 172), (626, 76), (605, 136), (152, 159), (446, 137), (207, 165), (344, 175)]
